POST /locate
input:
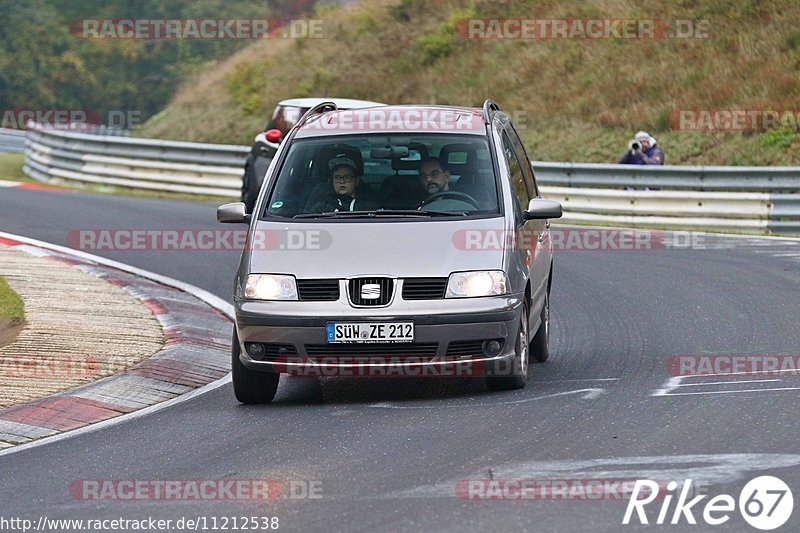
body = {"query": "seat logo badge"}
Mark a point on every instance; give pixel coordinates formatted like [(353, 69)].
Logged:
[(370, 291)]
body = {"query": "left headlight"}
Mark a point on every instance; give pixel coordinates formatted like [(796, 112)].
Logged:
[(477, 283), (270, 287)]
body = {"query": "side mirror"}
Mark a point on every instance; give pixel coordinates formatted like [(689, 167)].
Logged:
[(233, 213), (539, 209)]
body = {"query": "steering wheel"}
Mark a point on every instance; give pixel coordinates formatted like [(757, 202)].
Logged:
[(464, 197)]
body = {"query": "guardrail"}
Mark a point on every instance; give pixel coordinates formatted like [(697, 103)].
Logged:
[(12, 140), (759, 200), (174, 166)]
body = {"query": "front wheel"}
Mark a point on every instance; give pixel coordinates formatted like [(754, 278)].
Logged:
[(516, 376), (538, 347), (251, 386)]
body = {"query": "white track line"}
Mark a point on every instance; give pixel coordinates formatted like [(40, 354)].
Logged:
[(779, 389), (734, 382), (588, 394), (212, 300)]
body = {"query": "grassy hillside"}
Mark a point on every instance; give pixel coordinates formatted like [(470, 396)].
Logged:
[(573, 100), (46, 64)]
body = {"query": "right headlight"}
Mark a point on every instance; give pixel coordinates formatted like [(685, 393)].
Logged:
[(270, 287), (476, 283)]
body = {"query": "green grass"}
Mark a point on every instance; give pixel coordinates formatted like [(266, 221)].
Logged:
[(11, 168), (574, 101), (11, 305)]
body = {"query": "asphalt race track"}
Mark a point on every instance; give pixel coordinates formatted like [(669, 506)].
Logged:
[(388, 454)]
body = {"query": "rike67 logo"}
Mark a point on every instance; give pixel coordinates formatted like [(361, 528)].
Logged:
[(765, 503)]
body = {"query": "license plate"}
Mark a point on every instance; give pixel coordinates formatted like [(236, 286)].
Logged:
[(370, 331)]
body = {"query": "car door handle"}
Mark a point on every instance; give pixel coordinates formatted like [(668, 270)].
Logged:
[(540, 235)]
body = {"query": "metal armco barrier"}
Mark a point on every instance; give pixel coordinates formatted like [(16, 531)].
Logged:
[(12, 140), (758, 200), (173, 166)]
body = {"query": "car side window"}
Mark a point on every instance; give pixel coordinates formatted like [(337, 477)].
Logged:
[(516, 177), (527, 170)]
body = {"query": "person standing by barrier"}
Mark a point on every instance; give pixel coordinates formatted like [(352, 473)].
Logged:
[(642, 150)]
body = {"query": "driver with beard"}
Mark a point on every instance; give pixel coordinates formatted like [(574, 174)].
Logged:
[(433, 178)]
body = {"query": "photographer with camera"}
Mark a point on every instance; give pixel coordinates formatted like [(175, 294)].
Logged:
[(642, 150)]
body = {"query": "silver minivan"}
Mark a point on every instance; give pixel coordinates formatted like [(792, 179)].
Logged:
[(395, 240)]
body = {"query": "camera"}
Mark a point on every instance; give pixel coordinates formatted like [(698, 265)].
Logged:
[(634, 145)]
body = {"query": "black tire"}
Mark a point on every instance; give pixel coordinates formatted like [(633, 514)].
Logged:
[(516, 376), (250, 386), (538, 348)]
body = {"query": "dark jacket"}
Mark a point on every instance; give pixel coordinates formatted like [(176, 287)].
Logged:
[(343, 203), (653, 156), (255, 167)]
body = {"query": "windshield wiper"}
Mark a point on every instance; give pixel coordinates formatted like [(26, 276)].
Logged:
[(337, 214), (413, 212), (378, 213)]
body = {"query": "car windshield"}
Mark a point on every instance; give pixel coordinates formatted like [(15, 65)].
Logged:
[(420, 176)]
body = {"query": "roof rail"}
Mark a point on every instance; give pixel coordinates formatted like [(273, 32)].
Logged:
[(489, 108), (316, 110)]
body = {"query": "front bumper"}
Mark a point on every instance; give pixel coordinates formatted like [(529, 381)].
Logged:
[(436, 322)]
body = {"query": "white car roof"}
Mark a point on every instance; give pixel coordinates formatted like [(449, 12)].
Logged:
[(341, 103)]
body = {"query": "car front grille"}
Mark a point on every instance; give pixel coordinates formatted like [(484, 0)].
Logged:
[(465, 349), (424, 288), (418, 352), (370, 292), (318, 290)]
